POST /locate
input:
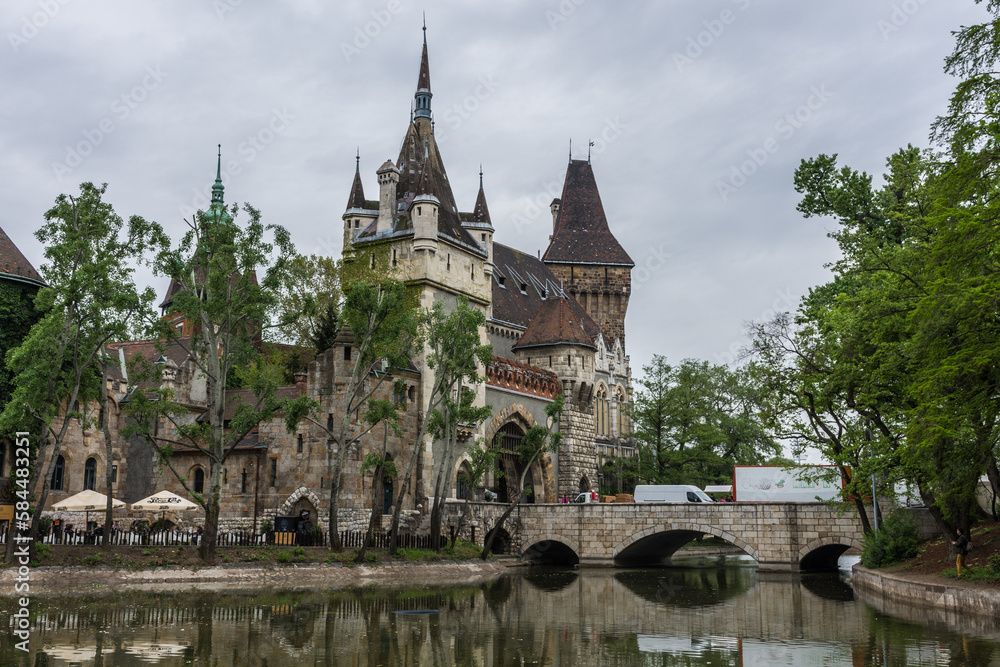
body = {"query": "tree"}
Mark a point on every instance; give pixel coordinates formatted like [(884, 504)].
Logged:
[(90, 300), (538, 441), (455, 355), (225, 281), (310, 302), (382, 467), (695, 421), (383, 320)]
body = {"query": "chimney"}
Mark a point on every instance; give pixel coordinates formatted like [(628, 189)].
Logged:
[(300, 382)]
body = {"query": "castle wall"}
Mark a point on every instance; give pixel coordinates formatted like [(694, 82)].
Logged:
[(603, 291)]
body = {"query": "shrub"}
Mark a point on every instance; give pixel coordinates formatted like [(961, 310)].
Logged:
[(283, 557), (894, 541), (43, 551), (993, 564)]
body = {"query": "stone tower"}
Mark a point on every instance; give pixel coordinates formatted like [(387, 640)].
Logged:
[(586, 256), (556, 340)]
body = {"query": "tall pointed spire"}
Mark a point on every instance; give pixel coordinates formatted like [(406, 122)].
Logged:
[(357, 198), (480, 212), (423, 94), (218, 189)]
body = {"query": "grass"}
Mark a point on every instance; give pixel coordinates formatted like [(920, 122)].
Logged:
[(972, 574)]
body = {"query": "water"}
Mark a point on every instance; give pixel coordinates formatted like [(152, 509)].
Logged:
[(707, 611)]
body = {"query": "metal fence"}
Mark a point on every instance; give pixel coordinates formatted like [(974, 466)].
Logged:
[(170, 538)]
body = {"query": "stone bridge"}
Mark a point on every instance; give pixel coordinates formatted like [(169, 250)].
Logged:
[(779, 536)]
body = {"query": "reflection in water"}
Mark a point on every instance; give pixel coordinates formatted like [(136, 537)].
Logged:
[(699, 615)]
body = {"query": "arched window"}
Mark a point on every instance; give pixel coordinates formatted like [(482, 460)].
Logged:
[(199, 480), (462, 485), (58, 474), (601, 411), (90, 474), (622, 411)]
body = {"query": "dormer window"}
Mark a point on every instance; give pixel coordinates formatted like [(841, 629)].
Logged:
[(524, 288), (502, 280)]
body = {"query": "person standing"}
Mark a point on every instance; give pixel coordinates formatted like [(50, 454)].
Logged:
[(961, 544)]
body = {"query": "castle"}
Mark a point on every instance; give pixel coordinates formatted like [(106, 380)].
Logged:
[(556, 324)]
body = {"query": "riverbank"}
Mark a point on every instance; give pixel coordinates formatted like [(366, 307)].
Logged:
[(48, 580)]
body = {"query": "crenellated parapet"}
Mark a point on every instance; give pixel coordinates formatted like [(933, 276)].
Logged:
[(509, 374)]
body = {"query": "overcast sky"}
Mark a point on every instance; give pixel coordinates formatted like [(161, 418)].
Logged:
[(700, 111)]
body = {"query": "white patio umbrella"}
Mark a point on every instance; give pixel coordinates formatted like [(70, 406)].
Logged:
[(164, 501), (86, 501)]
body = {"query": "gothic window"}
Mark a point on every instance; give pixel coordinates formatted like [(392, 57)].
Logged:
[(245, 483), (90, 474), (347, 353), (601, 411), (274, 472), (58, 474), (412, 393), (298, 444), (462, 485), (394, 257), (199, 480), (622, 409)]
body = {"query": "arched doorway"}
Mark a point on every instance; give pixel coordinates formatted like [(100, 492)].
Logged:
[(507, 444), (584, 484)]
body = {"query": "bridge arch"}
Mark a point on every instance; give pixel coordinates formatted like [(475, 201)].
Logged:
[(656, 543), (552, 549), (822, 553)]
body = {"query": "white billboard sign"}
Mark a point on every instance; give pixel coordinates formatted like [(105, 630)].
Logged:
[(776, 484)]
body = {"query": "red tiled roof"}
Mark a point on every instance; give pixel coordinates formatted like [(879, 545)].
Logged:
[(555, 323), (14, 265), (581, 232)]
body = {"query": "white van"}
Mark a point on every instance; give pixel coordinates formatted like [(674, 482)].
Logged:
[(670, 493)]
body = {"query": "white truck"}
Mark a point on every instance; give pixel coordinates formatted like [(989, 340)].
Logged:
[(670, 493)]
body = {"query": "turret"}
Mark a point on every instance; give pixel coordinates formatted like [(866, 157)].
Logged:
[(554, 207), (480, 227), (424, 212), (388, 177), (359, 213)]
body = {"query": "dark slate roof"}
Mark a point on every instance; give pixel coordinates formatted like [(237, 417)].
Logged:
[(424, 78), (481, 212), (357, 198), (581, 233), (555, 323), (512, 269), (13, 264)]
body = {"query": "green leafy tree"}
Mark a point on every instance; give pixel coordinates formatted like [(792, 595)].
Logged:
[(379, 463), (228, 278), (384, 322), (693, 422), (455, 355), (310, 302), (91, 299)]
